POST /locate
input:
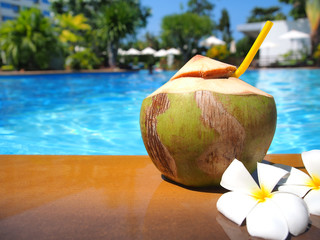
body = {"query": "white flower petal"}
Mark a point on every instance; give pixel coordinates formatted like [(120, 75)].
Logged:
[(269, 176), (237, 178), (297, 177), (235, 206), (294, 210), (266, 221), (311, 161), (312, 200), (299, 190)]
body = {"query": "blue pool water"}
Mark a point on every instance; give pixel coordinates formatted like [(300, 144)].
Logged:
[(98, 113)]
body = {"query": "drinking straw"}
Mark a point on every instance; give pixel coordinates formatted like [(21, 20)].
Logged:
[(253, 50)]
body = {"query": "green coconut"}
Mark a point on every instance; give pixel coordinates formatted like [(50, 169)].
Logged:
[(197, 123)]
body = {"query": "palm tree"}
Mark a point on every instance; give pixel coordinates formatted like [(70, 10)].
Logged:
[(313, 13), (74, 32), (116, 21), (28, 41), (72, 29)]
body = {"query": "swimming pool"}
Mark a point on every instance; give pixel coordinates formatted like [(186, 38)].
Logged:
[(98, 113)]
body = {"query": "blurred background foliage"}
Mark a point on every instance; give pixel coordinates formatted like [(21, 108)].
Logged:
[(86, 34), (29, 41)]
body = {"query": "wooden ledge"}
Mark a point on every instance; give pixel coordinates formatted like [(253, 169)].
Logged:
[(110, 197)]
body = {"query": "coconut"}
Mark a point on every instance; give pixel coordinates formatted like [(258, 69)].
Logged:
[(198, 122)]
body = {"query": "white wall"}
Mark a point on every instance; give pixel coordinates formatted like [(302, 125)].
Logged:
[(269, 55)]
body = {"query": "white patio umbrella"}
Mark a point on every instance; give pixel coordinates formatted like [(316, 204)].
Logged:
[(121, 51), (133, 51), (161, 53), (173, 51), (211, 41), (294, 34), (170, 55), (148, 51)]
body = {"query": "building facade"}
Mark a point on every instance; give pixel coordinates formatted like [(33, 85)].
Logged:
[(278, 49), (9, 9)]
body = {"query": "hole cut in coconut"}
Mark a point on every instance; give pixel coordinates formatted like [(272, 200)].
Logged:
[(206, 68)]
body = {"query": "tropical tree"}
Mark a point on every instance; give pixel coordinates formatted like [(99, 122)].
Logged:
[(259, 14), (72, 29), (116, 21), (152, 41), (75, 7), (313, 13), (112, 21), (298, 8), (73, 33), (29, 41), (147, 40), (200, 7), (244, 45), (184, 31), (224, 26)]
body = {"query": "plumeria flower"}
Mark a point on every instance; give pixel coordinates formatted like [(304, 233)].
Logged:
[(270, 215), (304, 185)]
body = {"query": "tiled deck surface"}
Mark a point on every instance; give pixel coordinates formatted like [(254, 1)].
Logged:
[(110, 197)]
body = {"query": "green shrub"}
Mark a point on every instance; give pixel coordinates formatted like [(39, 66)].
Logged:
[(316, 53), (220, 52), (85, 59), (7, 68), (28, 41)]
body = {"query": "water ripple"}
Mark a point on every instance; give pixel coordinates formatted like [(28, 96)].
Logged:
[(99, 113)]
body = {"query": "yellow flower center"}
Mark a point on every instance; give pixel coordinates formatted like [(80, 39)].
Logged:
[(314, 183), (261, 194)]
